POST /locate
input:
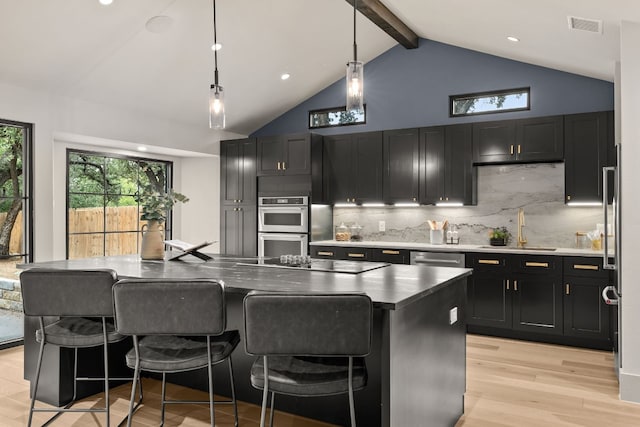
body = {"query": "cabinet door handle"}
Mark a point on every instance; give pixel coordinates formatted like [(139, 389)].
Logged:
[(284, 166), (489, 261), (585, 267), (279, 166), (536, 264), (511, 150), (355, 255), (325, 253), (507, 284), (515, 285), (414, 199), (390, 252), (567, 289), (518, 148)]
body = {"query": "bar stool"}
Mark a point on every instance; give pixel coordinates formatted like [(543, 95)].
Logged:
[(81, 299), (311, 344), (183, 323)]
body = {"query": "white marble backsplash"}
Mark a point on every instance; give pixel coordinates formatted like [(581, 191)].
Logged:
[(502, 190)]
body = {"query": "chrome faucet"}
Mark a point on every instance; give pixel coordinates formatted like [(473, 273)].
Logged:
[(521, 239)]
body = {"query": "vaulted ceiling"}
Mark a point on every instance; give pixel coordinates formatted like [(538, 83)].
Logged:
[(107, 55)]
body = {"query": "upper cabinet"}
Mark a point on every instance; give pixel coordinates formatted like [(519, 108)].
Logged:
[(588, 138), (401, 157), (284, 155), (518, 141), (238, 171), (447, 174), (352, 166)]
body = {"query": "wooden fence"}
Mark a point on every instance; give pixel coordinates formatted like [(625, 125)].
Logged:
[(123, 220)]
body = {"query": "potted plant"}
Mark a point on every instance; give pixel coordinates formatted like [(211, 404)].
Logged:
[(154, 205), (499, 236)]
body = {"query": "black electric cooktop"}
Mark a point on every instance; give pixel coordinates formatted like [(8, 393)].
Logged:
[(335, 266)]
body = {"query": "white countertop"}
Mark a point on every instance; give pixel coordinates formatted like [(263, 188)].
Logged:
[(416, 246)]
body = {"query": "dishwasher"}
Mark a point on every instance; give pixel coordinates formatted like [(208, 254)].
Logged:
[(437, 259)]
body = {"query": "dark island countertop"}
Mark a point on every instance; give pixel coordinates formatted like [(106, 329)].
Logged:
[(390, 287)]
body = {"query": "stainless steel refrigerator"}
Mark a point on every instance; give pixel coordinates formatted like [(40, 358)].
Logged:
[(612, 294)]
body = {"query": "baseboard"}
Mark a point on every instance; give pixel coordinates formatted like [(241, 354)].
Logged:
[(629, 387)]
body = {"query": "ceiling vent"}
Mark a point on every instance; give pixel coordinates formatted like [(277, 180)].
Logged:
[(585, 24)]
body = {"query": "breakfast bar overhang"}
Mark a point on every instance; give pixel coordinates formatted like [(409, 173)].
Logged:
[(417, 363)]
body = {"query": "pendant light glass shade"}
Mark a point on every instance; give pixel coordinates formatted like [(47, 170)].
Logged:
[(216, 93), (355, 75), (216, 107), (355, 87)]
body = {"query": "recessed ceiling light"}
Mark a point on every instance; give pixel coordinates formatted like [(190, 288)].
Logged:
[(513, 39), (159, 24), (216, 46), (285, 76), (106, 2), (141, 148)]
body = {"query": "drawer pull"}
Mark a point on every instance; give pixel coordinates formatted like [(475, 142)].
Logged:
[(585, 267), (515, 285), (351, 255), (325, 253), (507, 284), (390, 252), (489, 261), (567, 289), (536, 264)]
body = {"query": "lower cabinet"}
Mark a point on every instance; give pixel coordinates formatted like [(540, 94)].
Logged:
[(393, 256), (543, 298), (238, 225), (585, 313)]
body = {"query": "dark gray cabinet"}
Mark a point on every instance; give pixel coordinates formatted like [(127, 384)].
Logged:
[(588, 138), (352, 168), (446, 165), (518, 292), (238, 171), (585, 313), (392, 256), (518, 141), (284, 155), (238, 197), (401, 156), (238, 230)]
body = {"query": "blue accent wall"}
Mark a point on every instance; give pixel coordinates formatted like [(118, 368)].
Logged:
[(410, 88)]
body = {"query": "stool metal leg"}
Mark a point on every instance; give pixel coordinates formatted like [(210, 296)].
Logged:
[(136, 377), (212, 411), (265, 393), (273, 399), (38, 368), (233, 392), (162, 397), (105, 354), (352, 409)]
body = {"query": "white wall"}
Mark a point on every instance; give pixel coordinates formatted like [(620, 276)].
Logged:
[(85, 125), (630, 145)]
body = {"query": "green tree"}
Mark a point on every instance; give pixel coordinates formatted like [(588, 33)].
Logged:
[(11, 139)]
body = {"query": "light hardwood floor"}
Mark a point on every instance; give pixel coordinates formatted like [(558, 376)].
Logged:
[(509, 383)]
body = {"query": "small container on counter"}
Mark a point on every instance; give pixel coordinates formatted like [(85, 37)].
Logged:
[(356, 233), (342, 234)]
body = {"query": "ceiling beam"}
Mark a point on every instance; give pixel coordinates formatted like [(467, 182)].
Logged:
[(388, 22)]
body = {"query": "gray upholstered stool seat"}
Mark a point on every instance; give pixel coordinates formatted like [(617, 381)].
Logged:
[(78, 332), (309, 376), (310, 344), (167, 353), (177, 325)]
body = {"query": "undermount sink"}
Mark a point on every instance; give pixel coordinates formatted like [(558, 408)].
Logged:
[(526, 248)]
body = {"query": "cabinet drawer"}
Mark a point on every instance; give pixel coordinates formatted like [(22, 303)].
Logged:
[(353, 254), (584, 266), (394, 256), (326, 252), (488, 262), (537, 264)]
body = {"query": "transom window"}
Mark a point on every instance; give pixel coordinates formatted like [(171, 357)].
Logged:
[(103, 214)]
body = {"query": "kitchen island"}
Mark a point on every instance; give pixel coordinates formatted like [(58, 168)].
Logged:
[(417, 361)]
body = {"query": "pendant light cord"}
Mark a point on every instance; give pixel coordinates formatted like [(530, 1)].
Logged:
[(355, 46), (215, 47)]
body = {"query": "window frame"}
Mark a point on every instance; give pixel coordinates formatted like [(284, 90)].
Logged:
[(453, 98), (168, 229), (335, 110)]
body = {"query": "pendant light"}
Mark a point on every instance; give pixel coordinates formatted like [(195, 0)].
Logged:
[(355, 75), (216, 93)]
